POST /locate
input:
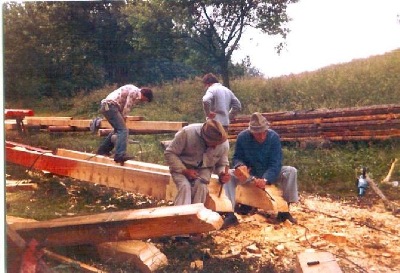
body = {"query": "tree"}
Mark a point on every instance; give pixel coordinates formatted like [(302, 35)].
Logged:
[(216, 26), (161, 51)]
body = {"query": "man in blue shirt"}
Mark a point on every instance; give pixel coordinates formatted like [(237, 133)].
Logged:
[(258, 150)]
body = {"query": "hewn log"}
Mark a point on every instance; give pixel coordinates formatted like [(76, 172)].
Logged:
[(213, 202), (150, 183), (122, 225)]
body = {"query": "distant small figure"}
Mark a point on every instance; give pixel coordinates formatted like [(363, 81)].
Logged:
[(219, 102), (115, 107), (362, 183)]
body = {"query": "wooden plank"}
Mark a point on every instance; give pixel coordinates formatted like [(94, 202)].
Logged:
[(103, 159), (149, 183), (27, 147), (48, 121), (81, 123), (168, 126), (122, 225), (317, 262), (145, 256)]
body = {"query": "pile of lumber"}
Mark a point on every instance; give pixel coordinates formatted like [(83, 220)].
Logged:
[(135, 124), (344, 124)]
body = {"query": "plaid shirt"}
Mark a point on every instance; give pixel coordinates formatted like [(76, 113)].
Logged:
[(124, 97)]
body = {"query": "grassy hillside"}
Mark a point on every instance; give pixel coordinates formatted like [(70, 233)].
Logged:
[(371, 81)]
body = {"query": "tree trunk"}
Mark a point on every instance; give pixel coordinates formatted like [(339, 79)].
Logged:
[(225, 72)]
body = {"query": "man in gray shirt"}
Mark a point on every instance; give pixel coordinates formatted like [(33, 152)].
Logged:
[(219, 102), (197, 151)]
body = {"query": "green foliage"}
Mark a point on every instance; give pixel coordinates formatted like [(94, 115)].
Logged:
[(216, 27)]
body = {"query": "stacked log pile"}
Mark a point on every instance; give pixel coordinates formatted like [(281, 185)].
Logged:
[(345, 124), (135, 124)]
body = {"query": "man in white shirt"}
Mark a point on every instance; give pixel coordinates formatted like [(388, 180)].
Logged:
[(219, 102)]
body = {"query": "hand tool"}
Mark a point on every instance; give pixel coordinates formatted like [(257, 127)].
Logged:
[(222, 185)]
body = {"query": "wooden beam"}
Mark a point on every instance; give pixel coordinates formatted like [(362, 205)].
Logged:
[(122, 225), (150, 183), (213, 202), (48, 121), (146, 178)]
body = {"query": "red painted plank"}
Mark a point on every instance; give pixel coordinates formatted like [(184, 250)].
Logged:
[(17, 113)]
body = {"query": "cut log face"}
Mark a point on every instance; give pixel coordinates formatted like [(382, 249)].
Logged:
[(144, 256), (122, 225)]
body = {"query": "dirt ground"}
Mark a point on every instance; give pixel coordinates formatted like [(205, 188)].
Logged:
[(361, 234)]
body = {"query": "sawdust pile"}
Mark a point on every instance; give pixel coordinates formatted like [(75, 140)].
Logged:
[(364, 237)]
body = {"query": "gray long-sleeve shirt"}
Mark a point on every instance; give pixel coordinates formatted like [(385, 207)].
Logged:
[(223, 102), (189, 150)]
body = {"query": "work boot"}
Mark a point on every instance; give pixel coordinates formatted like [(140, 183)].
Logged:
[(230, 220), (244, 209), (283, 216), (122, 159)]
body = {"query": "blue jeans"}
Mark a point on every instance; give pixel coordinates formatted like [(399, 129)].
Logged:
[(115, 118)]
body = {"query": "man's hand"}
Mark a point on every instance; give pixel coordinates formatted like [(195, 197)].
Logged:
[(211, 115), (260, 183), (242, 173), (190, 174), (224, 177)]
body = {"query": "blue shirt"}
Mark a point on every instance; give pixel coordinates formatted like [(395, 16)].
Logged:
[(264, 159)]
